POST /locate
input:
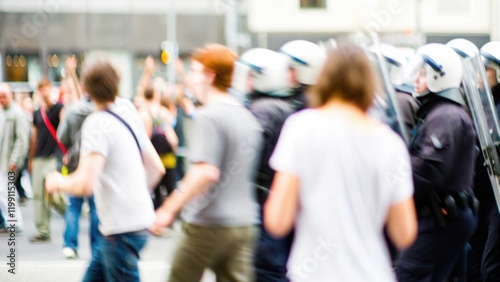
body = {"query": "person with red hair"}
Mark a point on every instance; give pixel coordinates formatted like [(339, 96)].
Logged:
[(216, 195)]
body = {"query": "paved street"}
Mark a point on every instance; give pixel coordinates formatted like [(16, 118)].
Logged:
[(46, 263)]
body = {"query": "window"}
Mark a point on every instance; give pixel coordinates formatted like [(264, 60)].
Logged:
[(313, 4), (454, 6)]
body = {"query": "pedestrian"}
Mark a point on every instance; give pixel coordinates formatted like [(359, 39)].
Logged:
[(14, 144), (117, 165), (45, 153), (341, 176), (216, 195)]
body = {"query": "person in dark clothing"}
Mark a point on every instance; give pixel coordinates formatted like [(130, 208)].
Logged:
[(270, 101), (484, 258), (43, 158), (278, 82), (443, 153), (408, 105)]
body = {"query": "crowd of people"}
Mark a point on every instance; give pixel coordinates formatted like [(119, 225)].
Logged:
[(292, 176)]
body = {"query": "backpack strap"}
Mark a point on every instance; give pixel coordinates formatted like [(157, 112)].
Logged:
[(129, 129)]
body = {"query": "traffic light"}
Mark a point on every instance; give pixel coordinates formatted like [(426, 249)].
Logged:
[(169, 51)]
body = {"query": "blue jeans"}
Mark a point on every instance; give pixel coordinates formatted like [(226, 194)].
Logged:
[(72, 218), (2, 220), (116, 257), (271, 255)]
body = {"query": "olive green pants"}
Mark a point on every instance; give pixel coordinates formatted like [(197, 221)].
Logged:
[(228, 251), (41, 167)]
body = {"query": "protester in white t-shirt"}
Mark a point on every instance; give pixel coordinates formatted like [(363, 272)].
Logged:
[(341, 177), (117, 164)]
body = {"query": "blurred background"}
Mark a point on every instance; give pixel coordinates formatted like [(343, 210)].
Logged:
[(36, 36)]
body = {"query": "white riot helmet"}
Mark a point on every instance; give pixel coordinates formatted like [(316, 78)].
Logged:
[(307, 59), (464, 48), (268, 70), (490, 53), (439, 65), (395, 58)]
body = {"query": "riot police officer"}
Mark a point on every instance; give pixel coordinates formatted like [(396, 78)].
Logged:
[(484, 258), (306, 62), (443, 152), (396, 61), (490, 53), (269, 98), (468, 269)]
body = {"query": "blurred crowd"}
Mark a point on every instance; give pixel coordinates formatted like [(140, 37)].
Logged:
[(316, 162)]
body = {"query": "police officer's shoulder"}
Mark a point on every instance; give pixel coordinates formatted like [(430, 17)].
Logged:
[(448, 115)]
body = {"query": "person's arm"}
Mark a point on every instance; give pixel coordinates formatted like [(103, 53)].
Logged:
[(64, 132), (153, 166), (198, 178), (20, 148), (282, 205), (149, 67), (147, 120), (402, 223), (82, 181), (70, 66), (62, 113), (34, 135), (172, 138), (206, 152)]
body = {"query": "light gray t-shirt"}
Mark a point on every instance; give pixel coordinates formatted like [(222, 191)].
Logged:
[(227, 136), (349, 177), (121, 195)]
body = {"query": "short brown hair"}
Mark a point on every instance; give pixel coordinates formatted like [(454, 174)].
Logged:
[(218, 59), (101, 80), (44, 82), (347, 75)]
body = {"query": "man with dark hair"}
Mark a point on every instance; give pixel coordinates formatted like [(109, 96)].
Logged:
[(216, 195), (117, 165), (45, 151)]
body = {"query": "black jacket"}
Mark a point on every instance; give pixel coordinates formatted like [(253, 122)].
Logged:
[(443, 150)]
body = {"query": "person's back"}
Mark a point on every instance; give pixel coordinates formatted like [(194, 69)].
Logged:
[(231, 201), (341, 176), (349, 178)]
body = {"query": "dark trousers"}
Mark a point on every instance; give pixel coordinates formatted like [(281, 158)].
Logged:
[(164, 188), (271, 257), (484, 258), (437, 249), (19, 186), (116, 258)]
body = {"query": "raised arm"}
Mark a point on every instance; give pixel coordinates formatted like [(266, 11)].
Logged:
[(70, 66), (147, 74)]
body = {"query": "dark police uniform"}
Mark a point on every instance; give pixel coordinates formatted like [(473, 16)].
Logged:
[(484, 257), (443, 152), (271, 253), (409, 107)]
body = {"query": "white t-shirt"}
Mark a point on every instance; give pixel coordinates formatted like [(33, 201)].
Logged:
[(349, 177), (121, 195)]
